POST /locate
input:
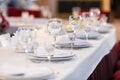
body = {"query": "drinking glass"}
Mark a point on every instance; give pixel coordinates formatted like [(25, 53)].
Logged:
[(71, 37), (76, 11), (87, 21), (49, 49), (25, 18), (103, 19), (87, 30), (54, 27), (26, 40), (74, 22), (95, 12)]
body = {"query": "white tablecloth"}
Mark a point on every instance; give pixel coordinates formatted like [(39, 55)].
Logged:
[(78, 68)]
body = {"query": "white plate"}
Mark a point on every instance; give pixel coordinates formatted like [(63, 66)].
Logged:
[(30, 73), (77, 46), (68, 56)]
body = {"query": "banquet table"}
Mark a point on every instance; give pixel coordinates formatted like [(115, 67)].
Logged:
[(86, 60)]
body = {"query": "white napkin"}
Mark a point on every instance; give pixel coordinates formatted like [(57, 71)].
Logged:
[(103, 29), (108, 25), (4, 40), (62, 53), (40, 52), (91, 35), (65, 40)]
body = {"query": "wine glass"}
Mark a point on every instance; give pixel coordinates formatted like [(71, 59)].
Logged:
[(87, 30), (76, 11), (49, 48), (103, 19), (87, 21), (71, 37), (95, 12), (74, 22), (54, 27)]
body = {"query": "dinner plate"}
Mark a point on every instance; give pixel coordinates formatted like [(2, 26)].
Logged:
[(30, 73), (56, 57), (75, 46)]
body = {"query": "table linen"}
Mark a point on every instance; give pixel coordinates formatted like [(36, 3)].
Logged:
[(78, 68)]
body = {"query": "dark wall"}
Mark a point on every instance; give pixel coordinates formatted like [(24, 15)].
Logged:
[(115, 7), (115, 4), (66, 6)]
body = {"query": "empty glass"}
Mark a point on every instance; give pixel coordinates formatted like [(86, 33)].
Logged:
[(76, 11), (74, 22), (54, 27), (71, 37), (87, 30), (25, 40), (87, 21), (103, 19), (49, 49), (95, 12)]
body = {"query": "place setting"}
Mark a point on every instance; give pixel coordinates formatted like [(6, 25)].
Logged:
[(70, 41), (50, 55), (92, 35), (48, 51)]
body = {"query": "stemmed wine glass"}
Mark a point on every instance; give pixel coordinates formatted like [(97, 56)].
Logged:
[(76, 11), (103, 19), (49, 48), (87, 21), (54, 27), (74, 22), (71, 37), (95, 13)]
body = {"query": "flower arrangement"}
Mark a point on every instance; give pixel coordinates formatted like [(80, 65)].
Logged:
[(4, 25)]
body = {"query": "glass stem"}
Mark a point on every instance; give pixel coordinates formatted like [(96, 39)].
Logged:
[(71, 46), (49, 58), (87, 36), (54, 38)]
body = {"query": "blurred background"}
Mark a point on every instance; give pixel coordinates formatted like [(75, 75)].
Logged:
[(61, 8)]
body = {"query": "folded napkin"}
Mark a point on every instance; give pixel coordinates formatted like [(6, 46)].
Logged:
[(41, 53), (103, 29), (13, 72), (108, 25), (64, 42), (91, 35), (5, 40)]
